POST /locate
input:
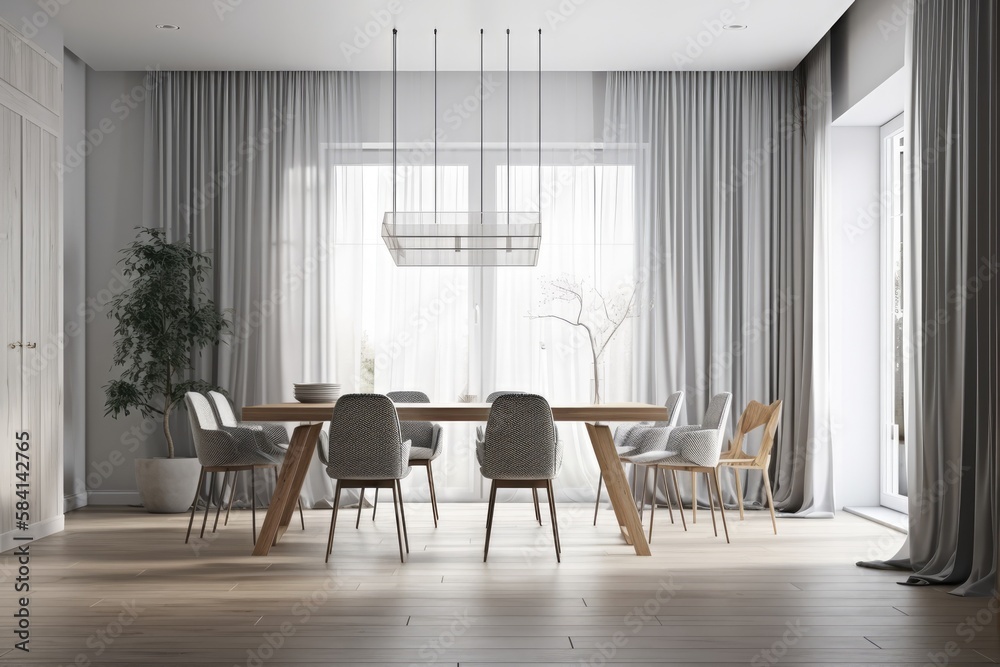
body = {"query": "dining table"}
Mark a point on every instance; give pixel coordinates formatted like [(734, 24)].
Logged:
[(312, 416)]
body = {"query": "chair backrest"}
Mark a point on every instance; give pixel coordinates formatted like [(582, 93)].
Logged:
[(497, 394), (674, 405), (520, 439), (717, 412), (755, 416), (365, 440), (223, 408), (420, 434), (203, 423)]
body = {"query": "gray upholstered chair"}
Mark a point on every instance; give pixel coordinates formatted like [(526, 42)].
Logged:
[(425, 439), (225, 449), (479, 443), (520, 450), (275, 441), (695, 449), (367, 450), (629, 446)]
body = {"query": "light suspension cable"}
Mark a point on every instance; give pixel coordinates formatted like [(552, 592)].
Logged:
[(394, 123)]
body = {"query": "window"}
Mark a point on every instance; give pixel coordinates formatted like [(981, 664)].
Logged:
[(893, 477), (451, 331)]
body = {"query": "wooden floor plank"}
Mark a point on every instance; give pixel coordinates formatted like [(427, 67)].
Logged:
[(696, 600)]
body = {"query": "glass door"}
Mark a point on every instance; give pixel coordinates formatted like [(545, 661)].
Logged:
[(893, 477)]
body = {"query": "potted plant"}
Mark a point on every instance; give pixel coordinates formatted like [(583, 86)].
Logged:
[(600, 317), (162, 320)]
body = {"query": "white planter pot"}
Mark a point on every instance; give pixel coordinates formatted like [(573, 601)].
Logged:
[(166, 486)]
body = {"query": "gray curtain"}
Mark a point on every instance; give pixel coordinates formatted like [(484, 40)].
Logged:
[(731, 244), (952, 296), (240, 161)]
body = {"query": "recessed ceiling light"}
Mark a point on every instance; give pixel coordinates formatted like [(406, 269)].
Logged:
[(167, 26), (734, 26)]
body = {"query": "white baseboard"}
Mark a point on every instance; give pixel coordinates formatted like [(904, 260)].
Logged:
[(37, 531), (74, 502), (118, 498), (884, 516)]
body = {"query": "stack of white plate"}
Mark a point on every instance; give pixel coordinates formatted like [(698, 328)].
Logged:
[(317, 393)]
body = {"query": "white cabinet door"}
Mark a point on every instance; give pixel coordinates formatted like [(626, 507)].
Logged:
[(10, 305), (41, 276)]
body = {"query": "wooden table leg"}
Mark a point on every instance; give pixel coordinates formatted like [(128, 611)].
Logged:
[(617, 486), (286, 491)]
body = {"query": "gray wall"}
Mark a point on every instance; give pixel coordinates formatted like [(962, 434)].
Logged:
[(866, 48), (114, 209), (74, 171)]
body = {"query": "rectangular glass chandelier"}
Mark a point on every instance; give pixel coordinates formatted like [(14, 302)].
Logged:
[(463, 239)]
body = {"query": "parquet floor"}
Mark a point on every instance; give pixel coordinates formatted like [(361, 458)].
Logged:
[(120, 587)]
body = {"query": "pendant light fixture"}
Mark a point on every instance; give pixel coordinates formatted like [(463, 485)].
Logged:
[(465, 238)]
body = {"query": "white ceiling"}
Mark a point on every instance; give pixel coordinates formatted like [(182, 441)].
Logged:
[(581, 35)]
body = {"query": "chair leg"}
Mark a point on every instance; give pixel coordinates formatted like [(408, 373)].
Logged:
[(739, 490), (770, 499), (361, 503), (232, 496), (680, 503), (538, 512), (399, 529), (642, 496), (302, 517), (666, 492), (434, 500), (253, 502), (694, 497), (402, 514), (489, 519), (722, 508), (375, 504), (711, 505), (208, 503), (652, 506), (555, 521), (597, 501), (333, 522), (194, 503), (222, 494)]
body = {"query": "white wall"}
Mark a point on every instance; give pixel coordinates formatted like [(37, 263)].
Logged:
[(854, 266)]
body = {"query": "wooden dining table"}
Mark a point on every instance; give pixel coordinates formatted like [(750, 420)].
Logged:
[(312, 416)]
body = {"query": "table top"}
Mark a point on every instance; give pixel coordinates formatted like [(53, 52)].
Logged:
[(459, 412)]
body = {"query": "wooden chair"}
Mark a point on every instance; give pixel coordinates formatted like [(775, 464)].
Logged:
[(756, 415)]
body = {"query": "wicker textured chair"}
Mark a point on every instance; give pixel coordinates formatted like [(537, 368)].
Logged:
[(695, 449), (630, 446), (520, 450), (367, 450), (275, 439), (225, 449)]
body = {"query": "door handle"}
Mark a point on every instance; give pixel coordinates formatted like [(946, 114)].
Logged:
[(31, 346), (15, 345)]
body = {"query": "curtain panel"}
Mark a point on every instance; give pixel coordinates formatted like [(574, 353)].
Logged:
[(952, 265), (731, 240), (235, 160)]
